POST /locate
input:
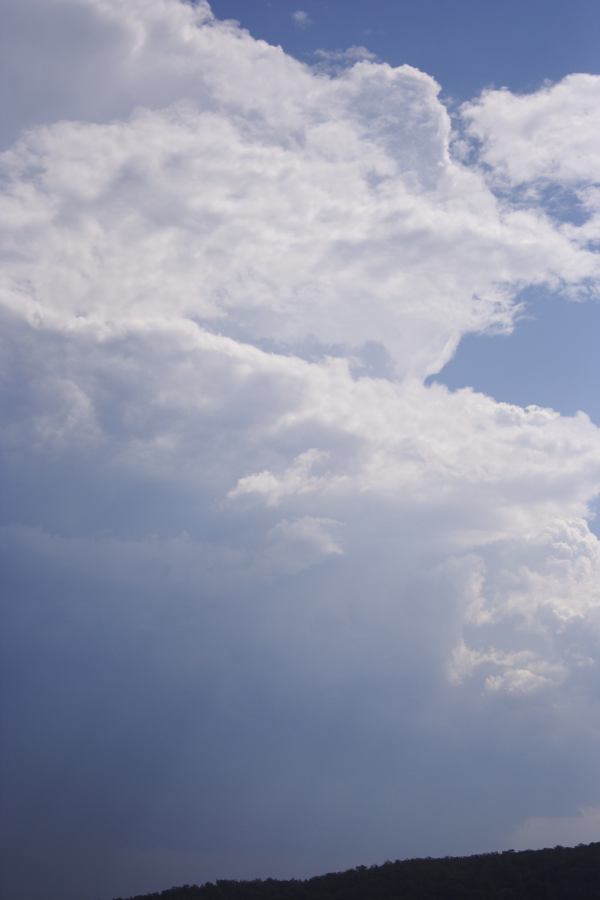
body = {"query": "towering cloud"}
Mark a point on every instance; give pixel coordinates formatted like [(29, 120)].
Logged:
[(274, 604)]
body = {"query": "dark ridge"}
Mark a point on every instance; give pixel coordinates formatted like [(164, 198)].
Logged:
[(562, 873)]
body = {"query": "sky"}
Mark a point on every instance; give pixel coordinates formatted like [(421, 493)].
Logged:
[(300, 449)]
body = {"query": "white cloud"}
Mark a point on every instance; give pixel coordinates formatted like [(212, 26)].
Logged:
[(544, 147), (550, 134), (334, 61), (205, 243), (193, 213), (142, 55), (301, 18), (297, 479), (541, 598)]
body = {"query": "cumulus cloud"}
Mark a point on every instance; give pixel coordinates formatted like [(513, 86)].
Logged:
[(549, 134), (234, 508), (544, 146)]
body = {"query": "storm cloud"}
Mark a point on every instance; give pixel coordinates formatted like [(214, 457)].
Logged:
[(274, 603)]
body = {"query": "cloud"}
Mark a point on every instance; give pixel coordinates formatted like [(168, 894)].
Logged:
[(548, 134), (543, 146), (352, 213), (297, 544), (335, 60), (563, 830), (301, 18), (146, 56), (235, 511)]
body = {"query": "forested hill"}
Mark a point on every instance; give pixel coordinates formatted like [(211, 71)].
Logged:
[(563, 873)]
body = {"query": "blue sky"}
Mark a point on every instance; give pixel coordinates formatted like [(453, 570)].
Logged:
[(465, 45), (300, 437), (550, 359)]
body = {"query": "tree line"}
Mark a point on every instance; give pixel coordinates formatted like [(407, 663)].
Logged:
[(561, 873)]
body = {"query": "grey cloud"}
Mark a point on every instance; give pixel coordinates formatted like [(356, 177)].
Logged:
[(272, 605)]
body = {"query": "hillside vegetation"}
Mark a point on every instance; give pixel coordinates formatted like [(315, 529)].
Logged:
[(562, 873)]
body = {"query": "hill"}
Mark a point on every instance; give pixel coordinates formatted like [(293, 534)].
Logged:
[(562, 873)]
